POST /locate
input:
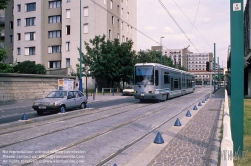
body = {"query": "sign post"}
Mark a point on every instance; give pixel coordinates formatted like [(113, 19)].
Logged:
[(237, 74)]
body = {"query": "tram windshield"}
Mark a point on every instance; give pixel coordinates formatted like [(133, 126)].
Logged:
[(144, 75)]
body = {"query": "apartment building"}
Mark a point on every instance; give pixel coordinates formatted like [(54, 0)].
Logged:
[(197, 61), (48, 31)]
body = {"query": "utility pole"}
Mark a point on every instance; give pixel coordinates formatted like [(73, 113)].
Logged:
[(237, 74), (214, 65)]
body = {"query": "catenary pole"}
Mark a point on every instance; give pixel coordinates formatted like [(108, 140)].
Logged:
[(80, 49)]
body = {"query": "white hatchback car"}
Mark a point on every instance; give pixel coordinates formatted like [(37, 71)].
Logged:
[(60, 100), (128, 91)]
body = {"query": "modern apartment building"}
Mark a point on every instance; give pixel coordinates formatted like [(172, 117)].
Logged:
[(48, 31), (197, 61)]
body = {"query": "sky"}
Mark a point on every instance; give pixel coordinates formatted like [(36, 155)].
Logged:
[(201, 23)]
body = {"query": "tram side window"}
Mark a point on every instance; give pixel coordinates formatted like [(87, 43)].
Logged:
[(156, 77), (176, 83), (166, 78)]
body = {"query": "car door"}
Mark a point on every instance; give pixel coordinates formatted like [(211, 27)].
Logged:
[(78, 98), (70, 100)]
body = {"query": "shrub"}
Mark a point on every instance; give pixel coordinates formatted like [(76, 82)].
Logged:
[(28, 67)]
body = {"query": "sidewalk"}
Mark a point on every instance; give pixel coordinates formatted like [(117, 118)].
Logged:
[(198, 142)]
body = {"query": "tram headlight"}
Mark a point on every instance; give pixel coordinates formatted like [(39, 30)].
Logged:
[(135, 91)]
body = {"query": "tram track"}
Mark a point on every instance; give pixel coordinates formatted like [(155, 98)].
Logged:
[(76, 143)]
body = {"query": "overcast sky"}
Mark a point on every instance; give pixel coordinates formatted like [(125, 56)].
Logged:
[(211, 20)]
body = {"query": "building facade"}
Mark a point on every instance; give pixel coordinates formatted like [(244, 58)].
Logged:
[(48, 31)]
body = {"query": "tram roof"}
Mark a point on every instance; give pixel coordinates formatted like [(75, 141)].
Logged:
[(163, 66)]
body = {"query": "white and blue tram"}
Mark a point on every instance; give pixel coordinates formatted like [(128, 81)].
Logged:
[(153, 81)]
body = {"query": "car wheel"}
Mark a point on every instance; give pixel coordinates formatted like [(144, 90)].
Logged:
[(82, 106), (62, 109), (39, 112)]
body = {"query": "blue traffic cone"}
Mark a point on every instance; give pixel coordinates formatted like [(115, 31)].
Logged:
[(188, 114), (115, 165), (62, 110), (158, 139), (177, 122), (199, 104), (24, 117), (195, 108), (203, 101)]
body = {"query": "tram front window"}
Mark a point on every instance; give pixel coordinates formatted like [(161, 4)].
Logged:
[(143, 75)]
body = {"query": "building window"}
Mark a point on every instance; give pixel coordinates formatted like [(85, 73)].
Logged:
[(104, 2), (68, 29), (54, 64), (118, 35), (11, 38), (123, 38), (18, 22), (54, 4), (19, 8), (30, 50), (111, 3), (110, 34), (18, 51), (68, 1), (127, 29), (30, 21), (121, 12), (118, 23), (67, 46), (68, 13), (29, 36), (18, 36), (118, 9), (29, 7), (86, 11), (122, 25), (54, 19), (55, 34), (54, 49), (86, 28), (112, 20), (127, 16), (11, 24), (68, 62)]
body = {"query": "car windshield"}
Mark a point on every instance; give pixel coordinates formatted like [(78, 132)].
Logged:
[(57, 94)]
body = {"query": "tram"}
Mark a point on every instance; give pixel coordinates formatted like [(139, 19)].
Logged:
[(153, 81)]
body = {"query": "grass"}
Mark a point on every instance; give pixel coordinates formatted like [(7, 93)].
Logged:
[(246, 161)]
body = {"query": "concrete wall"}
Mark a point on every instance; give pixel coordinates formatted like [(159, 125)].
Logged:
[(27, 86)]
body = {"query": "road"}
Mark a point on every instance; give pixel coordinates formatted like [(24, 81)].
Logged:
[(15, 113), (114, 132)]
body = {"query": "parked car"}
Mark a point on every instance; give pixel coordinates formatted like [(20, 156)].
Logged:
[(128, 91), (60, 100)]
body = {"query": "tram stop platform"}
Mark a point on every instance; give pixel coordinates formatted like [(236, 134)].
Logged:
[(195, 143)]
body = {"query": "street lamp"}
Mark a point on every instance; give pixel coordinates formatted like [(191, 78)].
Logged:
[(161, 50), (80, 51)]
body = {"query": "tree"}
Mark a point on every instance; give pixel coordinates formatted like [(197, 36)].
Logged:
[(109, 60), (127, 61), (4, 4), (153, 56), (3, 53)]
